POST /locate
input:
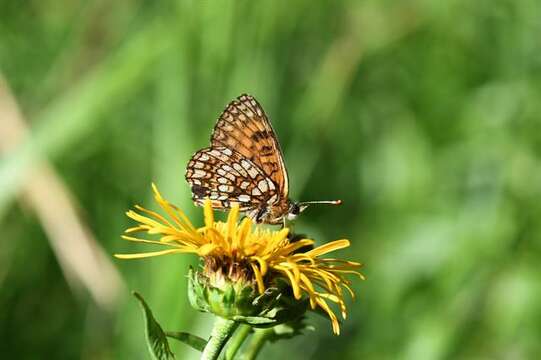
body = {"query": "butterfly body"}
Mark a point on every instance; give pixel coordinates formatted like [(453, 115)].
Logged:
[(244, 165)]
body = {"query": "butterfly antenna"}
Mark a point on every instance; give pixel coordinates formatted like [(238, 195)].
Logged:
[(328, 202)]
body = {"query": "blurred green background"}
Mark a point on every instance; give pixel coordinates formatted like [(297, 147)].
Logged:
[(422, 116)]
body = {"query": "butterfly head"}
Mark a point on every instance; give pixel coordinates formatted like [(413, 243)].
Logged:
[(295, 208)]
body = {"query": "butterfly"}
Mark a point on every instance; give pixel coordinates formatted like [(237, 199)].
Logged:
[(244, 165)]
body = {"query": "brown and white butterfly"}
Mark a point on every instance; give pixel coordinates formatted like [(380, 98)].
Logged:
[(244, 165)]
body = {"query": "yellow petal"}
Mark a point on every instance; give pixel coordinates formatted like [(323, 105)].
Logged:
[(147, 254), (208, 213), (232, 221), (295, 285), (329, 247), (297, 245), (262, 264), (244, 229), (131, 238), (155, 215), (258, 279), (332, 316), (206, 249), (174, 213)]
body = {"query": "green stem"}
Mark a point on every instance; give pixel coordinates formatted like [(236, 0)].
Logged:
[(255, 346), (240, 335), (221, 332)]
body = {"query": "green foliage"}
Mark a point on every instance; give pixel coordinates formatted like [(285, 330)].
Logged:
[(422, 116), (158, 347), (189, 339), (156, 338)]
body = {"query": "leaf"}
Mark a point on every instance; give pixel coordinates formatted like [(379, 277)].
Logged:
[(192, 340), (291, 329), (196, 290), (156, 340), (254, 320)]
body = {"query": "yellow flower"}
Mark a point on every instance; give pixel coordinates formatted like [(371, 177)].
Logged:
[(263, 253)]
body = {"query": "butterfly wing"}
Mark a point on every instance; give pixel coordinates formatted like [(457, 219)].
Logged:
[(226, 178), (244, 128)]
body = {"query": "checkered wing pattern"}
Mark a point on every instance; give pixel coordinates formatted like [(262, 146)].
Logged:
[(226, 178), (244, 128)]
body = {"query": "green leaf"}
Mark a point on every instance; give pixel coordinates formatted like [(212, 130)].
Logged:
[(156, 339), (192, 340), (291, 329), (254, 320), (196, 292)]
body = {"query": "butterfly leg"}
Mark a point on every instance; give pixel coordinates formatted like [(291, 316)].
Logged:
[(261, 215), (252, 214)]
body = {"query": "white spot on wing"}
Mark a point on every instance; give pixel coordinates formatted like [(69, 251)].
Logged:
[(255, 192), (222, 180), (244, 198), (224, 157), (204, 157), (263, 186), (224, 188), (198, 173), (228, 152), (239, 169), (252, 172), (244, 185), (245, 164)]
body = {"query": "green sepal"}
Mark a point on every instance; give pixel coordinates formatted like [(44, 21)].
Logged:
[(290, 329), (239, 301), (227, 302), (254, 320), (196, 292), (194, 341), (157, 344)]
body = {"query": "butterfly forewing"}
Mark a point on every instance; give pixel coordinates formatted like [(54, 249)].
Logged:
[(226, 177), (244, 128)]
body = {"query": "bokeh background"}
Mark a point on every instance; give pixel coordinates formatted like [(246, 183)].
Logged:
[(422, 116)]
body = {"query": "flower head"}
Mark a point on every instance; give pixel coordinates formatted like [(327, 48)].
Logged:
[(234, 251)]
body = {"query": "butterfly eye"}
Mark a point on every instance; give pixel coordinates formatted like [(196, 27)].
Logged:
[(291, 216), (294, 210)]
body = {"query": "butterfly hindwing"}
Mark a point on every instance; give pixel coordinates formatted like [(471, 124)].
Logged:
[(226, 177), (244, 128)]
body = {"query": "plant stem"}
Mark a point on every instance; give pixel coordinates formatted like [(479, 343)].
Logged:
[(255, 346), (221, 332), (240, 335)]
